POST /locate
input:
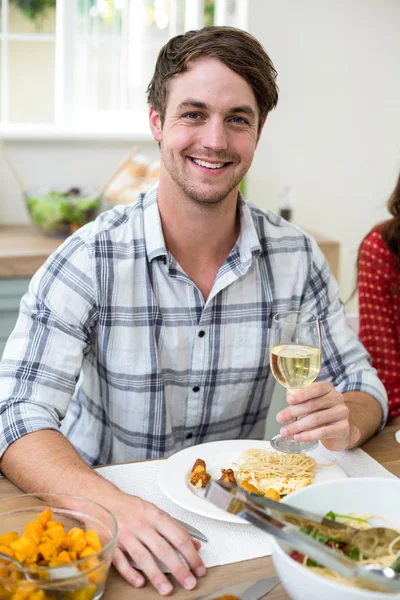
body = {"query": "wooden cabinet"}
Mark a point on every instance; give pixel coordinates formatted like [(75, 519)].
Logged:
[(11, 291)]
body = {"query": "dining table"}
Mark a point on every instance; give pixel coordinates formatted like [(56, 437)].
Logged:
[(383, 447)]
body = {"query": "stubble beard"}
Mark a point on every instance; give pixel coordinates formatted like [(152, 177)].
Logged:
[(202, 198)]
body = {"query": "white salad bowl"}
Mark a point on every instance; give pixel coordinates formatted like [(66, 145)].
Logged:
[(364, 495)]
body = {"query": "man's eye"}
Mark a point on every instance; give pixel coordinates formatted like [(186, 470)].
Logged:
[(239, 120), (192, 115)]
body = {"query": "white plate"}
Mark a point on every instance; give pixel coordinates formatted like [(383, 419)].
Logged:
[(174, 473)]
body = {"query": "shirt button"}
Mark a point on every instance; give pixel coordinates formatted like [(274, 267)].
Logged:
[(196, 388), (202, 333), (189, 435)]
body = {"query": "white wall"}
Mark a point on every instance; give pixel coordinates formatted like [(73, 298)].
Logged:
[(335, 135)]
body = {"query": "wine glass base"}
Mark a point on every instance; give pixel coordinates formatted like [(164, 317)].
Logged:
[(290, 446)]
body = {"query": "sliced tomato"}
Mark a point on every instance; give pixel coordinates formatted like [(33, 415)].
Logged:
[(297, 556)]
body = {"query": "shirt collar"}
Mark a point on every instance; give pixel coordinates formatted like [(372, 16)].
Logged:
[(248, 242), (153, 234)]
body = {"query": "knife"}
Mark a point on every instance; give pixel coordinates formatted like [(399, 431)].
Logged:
[(192, 530), (249, 590)]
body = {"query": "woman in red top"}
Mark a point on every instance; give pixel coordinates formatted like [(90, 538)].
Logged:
[(379, 299)]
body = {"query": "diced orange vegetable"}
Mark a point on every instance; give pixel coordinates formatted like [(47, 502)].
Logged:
[(64, 557), (55, 533), (272, 494), (3, 572), (45, 517), (87, 552), (23, 592), (7, 538), (24, 548), (45, 542), (48, 549), (249, 487), (34, 531), (79, 546), (85, 594), (76, 533), (8, 551), (51, 524), (93, 540), (37, 595), (91, 563)]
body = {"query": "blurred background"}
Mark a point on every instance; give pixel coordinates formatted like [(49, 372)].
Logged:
[(73, 75)]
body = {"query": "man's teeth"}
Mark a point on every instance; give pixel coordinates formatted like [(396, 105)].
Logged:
[(203, 163)]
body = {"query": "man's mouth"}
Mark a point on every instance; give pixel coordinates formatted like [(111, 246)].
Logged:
[(209, 165)]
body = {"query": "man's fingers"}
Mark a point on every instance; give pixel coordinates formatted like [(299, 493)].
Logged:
[(163, 551), (306, 408), (196, 544), (130, 574), (322, 409), (145, 561), (183, 542), (314, 390), (335, 431), (316, 420), (313, 405)]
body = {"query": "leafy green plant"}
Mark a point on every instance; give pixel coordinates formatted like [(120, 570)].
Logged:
[(34, 9)]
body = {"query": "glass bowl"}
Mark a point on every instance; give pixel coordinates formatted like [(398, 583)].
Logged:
[(78, 568), (59, 212)]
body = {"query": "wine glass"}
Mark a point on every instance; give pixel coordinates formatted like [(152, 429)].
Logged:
[(295, 359)]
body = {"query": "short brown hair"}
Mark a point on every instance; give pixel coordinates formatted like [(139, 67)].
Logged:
[(237, 49)]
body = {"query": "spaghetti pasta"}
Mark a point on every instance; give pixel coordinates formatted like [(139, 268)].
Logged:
[(264, 470), (391, 559)]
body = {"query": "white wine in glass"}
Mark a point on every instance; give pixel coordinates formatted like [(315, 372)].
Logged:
[(295, 360)]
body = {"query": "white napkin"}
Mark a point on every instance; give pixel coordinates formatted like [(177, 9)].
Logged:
[(357, 463), (228, 542)]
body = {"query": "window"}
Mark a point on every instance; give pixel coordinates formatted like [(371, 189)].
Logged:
[(85, 66)]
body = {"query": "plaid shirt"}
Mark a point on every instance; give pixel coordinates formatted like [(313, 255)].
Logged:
[(115, 344)]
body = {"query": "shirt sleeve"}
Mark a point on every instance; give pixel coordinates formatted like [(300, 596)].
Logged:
[(345, 362), (43, 356), (379, 309)]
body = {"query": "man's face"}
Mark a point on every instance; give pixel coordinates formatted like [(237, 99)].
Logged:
[(209, 132)]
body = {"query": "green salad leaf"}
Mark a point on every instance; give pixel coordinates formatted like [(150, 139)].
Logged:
[(396, 565), (55, 210), (332, 515)]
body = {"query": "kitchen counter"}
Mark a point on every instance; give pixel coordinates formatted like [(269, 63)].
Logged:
[(23, 250)]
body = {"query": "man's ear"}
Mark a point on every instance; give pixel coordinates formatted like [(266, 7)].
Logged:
[(261, 129), (155, 124)]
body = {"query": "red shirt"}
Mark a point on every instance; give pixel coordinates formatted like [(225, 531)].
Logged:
[(379, 308)]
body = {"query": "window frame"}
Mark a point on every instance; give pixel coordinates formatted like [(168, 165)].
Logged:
[(96, 125)]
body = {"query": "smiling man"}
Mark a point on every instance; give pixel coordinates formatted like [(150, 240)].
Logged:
[(148, 330)]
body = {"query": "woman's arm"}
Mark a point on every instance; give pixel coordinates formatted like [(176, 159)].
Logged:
[(379, 313)]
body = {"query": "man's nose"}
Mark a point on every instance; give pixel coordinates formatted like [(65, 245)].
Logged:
[(215, 136)]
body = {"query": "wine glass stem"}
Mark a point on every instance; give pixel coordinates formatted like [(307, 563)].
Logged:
[(290, 437)]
